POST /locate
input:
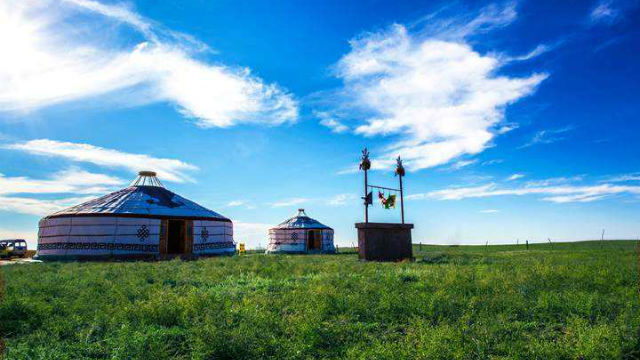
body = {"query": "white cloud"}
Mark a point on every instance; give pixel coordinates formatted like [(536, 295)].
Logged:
[(335, 126), (167, 169), (537, 51), (557, 194), (58, 52), (66, 181), (604, 12), (341, 199), (348, 170), (515, 177), (70, 181), (439, 98), (461, 26), (463, 163), (327, 120), (489, 211), (562, 180), (236, 203), (290, 202), (492, 162), (38, 207), (547, 136), (625, 178)]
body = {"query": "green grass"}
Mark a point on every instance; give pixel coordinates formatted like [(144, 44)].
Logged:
[(566, 301)]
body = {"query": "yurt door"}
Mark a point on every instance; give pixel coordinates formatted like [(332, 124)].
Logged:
[(313, 240), (176, 239)]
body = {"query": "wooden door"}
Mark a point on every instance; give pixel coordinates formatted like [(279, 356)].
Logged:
[(188, 242), (162, 244), (314, 240)]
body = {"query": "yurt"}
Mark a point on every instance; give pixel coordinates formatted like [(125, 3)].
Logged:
[(144, 220), (301, 234)]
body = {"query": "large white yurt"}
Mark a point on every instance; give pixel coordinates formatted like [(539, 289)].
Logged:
[(144, 220), (301, 234)]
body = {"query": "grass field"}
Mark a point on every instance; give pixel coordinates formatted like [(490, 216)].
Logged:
[(560, 301)]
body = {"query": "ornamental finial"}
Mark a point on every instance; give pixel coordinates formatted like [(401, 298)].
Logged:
[(365, 164), (399, 167)]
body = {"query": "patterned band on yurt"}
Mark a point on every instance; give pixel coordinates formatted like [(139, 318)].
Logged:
[(301, 234), (144, 220)]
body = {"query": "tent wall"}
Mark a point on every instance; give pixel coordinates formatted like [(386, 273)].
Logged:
[(98, 236), (101, 236), (295, 240), (213, 238)]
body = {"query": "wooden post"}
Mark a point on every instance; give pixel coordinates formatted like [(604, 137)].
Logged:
[(527, 244), (400, 173), (188, 244), (162, 245), (366, 204), (365, 165), (401, 200)]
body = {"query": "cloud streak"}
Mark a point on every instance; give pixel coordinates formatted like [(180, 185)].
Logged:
[(328, 121), (557, 193), (167, 169), (547, 136), (39, 207), (46, 62), (66, 181), (604, 12), (70, 181), (342, 200), (290, 202)]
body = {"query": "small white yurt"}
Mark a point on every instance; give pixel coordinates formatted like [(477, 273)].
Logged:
[(301, 234), (144, 220)]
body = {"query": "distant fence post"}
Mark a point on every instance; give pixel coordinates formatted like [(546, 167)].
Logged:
[(527, 244)]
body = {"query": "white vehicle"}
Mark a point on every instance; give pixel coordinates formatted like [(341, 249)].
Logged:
[(13, 248)]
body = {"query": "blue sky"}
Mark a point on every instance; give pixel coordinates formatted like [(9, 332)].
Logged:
[(516, 120)]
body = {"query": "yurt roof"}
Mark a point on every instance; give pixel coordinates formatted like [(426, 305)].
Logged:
[(301, 221), (145, 197)]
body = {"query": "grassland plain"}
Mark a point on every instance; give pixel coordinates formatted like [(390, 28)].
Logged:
[(560, 301)]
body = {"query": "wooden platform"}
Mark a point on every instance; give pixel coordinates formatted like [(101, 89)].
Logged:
[(384, 241)]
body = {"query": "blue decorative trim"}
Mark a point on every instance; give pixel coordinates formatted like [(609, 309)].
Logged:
[(213, 245), (97, 246)]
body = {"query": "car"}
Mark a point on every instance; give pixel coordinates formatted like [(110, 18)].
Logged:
[(4, 253), (13, 248)]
